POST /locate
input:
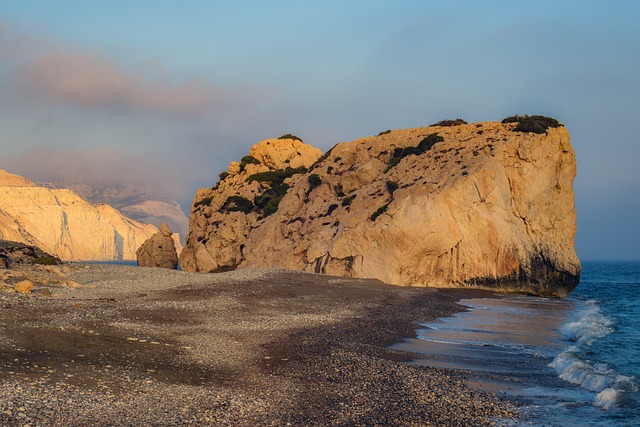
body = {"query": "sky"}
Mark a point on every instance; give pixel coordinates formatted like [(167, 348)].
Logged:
[(167, 93)]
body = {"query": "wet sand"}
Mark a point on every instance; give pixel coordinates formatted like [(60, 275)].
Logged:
[(144, 346)]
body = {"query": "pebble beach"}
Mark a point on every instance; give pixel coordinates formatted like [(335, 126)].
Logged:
[(133, 346)]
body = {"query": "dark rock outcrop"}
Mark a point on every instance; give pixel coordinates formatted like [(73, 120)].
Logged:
[(12, 253)]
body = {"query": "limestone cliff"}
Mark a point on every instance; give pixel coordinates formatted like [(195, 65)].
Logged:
[(132, 200), (62, 223), (475, 205)]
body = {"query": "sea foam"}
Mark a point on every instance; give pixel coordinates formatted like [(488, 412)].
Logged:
[(590, 326), (571, 365)]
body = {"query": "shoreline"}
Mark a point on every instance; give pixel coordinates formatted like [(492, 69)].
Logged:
[(135, 345)]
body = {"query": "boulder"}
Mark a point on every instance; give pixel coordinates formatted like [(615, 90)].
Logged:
[(159, 250), (24, 287)]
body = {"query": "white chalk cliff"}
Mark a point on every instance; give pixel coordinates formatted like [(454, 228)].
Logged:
[(477, 205), (62, 223), (134, 201)]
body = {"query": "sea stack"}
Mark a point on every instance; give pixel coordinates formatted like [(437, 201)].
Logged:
[(159, 250), (485, 205)]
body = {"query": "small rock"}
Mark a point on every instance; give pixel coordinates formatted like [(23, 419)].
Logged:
[(24, 287), (45, 292)]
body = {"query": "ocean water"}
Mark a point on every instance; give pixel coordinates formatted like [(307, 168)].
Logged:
[(573, 362)]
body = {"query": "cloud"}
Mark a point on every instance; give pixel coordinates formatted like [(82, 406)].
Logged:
[(42, 70), (80, 116), (92, 81), (100, 167)]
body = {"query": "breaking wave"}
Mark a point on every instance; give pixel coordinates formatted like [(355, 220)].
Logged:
[(573, 366)]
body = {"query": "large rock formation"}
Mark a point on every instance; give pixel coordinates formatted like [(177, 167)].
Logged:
[(479, 205), (62, 223), (159, 250)]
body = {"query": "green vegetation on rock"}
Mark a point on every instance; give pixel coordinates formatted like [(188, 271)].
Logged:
[(248, 160), (237, 204), (204, 202), (46, 260), (269, 200), (382, 209), (423, 146), (449, 123), (428, 142), (290, 136), (532, 124), (276, 177)]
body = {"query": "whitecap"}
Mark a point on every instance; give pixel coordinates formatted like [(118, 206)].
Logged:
[(591, 325), (570, 366), (607, 398), (577, 371)]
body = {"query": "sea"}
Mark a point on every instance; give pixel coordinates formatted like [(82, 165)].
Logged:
[(571, 362)]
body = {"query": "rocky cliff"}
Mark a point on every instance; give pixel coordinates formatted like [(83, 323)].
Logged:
[(62, 223), (133, 201), (485, 205)]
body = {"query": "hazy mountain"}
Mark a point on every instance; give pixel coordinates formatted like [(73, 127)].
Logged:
[(135, 202)]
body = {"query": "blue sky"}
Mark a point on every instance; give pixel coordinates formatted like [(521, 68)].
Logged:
[(166, 93)]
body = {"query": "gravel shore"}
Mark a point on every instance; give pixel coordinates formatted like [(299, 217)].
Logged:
[(134, 346)]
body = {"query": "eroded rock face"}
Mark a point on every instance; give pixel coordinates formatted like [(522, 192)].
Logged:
[(218, 232), (62, 223), (133, 201), (485, 207), (159, 250)]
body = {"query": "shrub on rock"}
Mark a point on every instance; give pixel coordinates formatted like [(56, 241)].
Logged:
[(533, 124), (237, 204)]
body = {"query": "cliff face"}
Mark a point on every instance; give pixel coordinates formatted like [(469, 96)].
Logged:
[(486, 206), (65, 225), (217, 236), (133, 201)]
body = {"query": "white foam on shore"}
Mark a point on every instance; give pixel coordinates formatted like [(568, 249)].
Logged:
[(571, 365)]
